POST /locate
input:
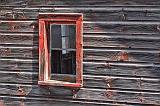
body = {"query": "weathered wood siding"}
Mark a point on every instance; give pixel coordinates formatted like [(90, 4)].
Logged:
[(121, 53)]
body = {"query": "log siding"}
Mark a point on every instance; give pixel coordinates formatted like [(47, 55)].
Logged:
[(121, 58)]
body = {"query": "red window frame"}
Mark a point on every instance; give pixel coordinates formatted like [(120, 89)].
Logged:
[(45, 19)]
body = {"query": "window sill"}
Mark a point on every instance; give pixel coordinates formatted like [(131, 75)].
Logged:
[(60, 83)]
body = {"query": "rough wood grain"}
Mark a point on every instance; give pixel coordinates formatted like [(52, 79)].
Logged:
[(89, 54), (36, 101), (92, 39), (31, 101), (111, 69), (93, 66), (122, 41), (104, 26), (19, 39), (22, 26), (92, 94), (121, 56), (120, 27), (118, 96), (23, 53), (121, 53), (90, 14), (82, 2), (106, 81), (15, 64), (24, 102)]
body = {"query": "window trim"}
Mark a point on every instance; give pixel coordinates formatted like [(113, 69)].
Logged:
[(46, 19)]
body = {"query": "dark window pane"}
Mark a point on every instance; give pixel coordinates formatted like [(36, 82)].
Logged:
[(56, 36), (63, 63), (56, 59), (72, 36), (69, 63)]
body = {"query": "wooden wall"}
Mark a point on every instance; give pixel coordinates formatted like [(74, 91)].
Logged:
[(121, 53)]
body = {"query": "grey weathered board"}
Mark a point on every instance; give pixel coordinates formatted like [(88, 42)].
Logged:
[(121, 53)]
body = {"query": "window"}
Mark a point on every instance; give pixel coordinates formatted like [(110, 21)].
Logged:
[(60, 49)]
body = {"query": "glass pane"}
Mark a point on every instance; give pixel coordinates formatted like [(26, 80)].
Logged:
[(56, 36), (63, 36), (63, 65)]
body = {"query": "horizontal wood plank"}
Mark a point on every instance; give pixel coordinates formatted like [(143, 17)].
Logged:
[(105, 81), (114, 54), (88, 55), (91, 66), (128, 41), (120, 26), (36, 101), (121, 53), (91, 39), (118, 96), (14, 64), (82, 2), (122, 56), (22, 26), (25, 53), (90, 13), (92, 93), (19, 39), (115, 69)]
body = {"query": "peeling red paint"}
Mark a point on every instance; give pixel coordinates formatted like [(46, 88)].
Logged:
[(123, 56), (21, 91), (12, 26), (109, 94), (141, 98), (2, 103), (5, 52), (45, 73)]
